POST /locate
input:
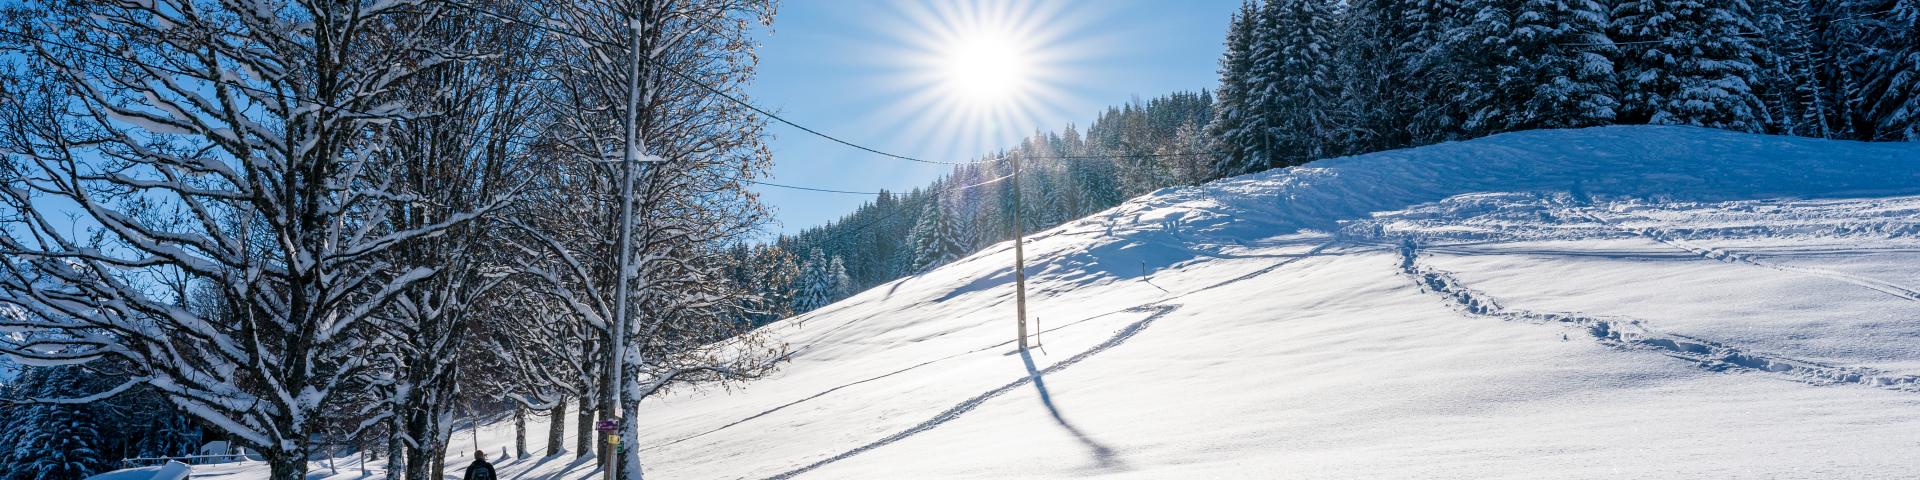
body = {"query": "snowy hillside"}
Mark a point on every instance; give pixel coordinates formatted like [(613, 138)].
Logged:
[(1609, 302)]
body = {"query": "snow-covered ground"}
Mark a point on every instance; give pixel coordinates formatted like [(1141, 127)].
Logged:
[(1608, 302)]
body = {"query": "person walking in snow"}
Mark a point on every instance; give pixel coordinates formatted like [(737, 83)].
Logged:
[(480, 469)]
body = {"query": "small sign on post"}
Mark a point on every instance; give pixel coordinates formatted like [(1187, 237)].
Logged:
[(613, 440), (606, 426)]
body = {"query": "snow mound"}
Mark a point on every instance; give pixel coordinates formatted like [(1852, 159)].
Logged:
[(1605, 302)]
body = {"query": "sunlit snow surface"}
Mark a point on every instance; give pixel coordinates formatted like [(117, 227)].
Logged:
[(1611, 302)]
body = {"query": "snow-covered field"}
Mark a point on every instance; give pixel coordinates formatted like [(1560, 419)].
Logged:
[(1610, 302)]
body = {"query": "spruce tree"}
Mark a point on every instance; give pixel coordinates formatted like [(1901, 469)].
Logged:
[(1544, 65), (1374, 94), (1294, 58), (1688, 62), (1264, 85), (1798, 97), (839, 284), (1236, 100), (937, 238), (1886, 57), (816, 285), (1434, 62), (53, 440)]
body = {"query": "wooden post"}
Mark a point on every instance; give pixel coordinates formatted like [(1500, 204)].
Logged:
[(1019, 257)]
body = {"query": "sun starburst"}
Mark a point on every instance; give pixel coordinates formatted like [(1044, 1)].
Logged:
[(978, 75)]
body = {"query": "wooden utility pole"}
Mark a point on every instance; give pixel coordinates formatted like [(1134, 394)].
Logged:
[(1019, 257)]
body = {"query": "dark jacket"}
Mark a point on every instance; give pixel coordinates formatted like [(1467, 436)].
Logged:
[(481, 470)]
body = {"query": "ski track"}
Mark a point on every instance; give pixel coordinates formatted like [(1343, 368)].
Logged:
[(1896, 290), (1627, 333)]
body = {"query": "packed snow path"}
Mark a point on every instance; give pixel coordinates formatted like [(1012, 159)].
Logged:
[(1607, 302)]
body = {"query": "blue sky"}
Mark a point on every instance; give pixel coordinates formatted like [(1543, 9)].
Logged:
[(859, 70)]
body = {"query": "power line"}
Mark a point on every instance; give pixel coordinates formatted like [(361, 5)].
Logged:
[(164, 68), (810, 189), (716, 91), (851, 192), (776, 117), (684, 76)]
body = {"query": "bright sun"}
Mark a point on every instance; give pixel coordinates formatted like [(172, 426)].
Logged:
[(978, 75), (985, 68)]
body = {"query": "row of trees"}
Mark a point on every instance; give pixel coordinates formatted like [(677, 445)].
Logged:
[(305, 223), (1309, 79)]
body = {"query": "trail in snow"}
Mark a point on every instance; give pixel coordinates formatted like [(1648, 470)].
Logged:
[(1725, 255), (1632, 333)]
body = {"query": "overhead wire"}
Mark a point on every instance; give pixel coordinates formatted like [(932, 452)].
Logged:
[(777, 117), (689, 78)]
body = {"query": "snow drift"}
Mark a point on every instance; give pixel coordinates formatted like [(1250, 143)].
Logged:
[(1617, 302)]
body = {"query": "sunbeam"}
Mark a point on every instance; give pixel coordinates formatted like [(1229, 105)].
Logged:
[(980, 74)]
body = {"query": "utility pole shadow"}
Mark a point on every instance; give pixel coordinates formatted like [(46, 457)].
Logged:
[(1103, 455), (1106, 456)]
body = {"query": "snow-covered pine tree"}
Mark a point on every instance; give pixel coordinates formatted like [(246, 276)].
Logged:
[(1885, 56), (1374, 96), (840, 285), (1186, 156), (1294, 80), (1092, 179), (1049, 181), (1546, 63), (1265, 82), (48, 441), (1433, 63), (1799, 100), (1126, 134), (938, 237), (1236, 99), (816, 283), (1688, 62)]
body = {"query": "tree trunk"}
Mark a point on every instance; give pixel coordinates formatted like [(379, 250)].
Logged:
[(629, 451), (396, 450), (584, 442), (429, 458), (520, 431), (603, 457), (557, 429), (287, 464), (607, 411)]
